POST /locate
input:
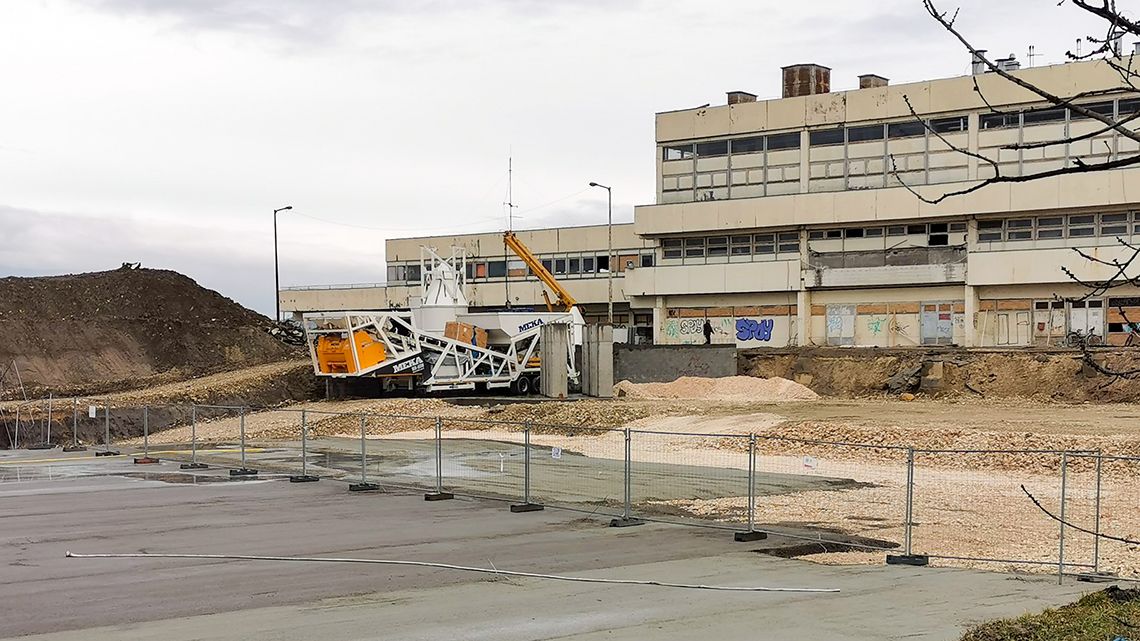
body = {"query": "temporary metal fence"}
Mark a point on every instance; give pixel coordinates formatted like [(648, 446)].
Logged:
[(953, 505)]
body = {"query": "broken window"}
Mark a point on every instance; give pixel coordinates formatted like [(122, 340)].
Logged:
[(948, 125), (677, 152)]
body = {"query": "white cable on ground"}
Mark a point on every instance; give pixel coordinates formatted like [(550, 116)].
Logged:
[(445, 566)]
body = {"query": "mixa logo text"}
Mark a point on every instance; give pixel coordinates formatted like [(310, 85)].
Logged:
[(415, 364), (531, 325)]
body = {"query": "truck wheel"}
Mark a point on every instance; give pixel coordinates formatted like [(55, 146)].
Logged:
[(522, 386), (535, 385)]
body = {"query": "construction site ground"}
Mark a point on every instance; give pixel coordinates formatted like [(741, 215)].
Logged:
[(966, 504), (73, 502)]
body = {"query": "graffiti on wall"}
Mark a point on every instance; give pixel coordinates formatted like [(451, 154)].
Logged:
[(749, 329)]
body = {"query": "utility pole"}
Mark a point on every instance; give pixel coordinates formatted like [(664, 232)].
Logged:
[(610, 260), (276, 272)]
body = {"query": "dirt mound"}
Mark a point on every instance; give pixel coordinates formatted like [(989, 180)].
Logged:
[(743, 389), (119, 326), (1039, 374)]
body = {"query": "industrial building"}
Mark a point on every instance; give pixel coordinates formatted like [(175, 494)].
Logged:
[(793, 221)]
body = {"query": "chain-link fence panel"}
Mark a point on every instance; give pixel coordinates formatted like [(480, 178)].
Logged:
[(687, 477), (581, 468), (480, 458), (969, 506)]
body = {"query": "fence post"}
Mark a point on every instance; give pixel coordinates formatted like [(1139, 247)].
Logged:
[(1096, 516), (363, 485), (1061, 542), (145, 459), (908, 557), (526, 505), (751, 534), (47, 439), (107, 451), (243, 470), (627, 519), (193, 464), (438, 494), (16, 441), (304, 477), (75, 446)]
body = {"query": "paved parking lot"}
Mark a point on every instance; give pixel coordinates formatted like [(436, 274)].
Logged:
[(87, 505)]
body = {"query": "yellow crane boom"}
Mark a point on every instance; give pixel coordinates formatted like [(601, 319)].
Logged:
[(565, 300)]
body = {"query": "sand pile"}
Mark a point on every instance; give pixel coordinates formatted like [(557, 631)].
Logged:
[(739, 389)]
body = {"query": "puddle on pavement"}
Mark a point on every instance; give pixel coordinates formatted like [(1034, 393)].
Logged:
[(25, 474)]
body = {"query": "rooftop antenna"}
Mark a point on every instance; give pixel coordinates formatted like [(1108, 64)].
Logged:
[(1078, 47), (1032, 54)]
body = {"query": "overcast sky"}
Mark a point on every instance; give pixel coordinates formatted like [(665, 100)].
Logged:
[(166, 131)]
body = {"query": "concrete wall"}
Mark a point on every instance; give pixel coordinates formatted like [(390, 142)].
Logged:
[(664, 363), (539, 241)]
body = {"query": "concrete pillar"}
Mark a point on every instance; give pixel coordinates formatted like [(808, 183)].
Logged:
[(971, 335), (598, 361), (805, 162), (658, 318), (803, 317), (972, 122), (554, 351)]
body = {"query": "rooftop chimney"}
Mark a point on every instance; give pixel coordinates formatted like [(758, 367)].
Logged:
[(737, 97), (806, 80), (870, 80), (1008, 64), (977, 67)]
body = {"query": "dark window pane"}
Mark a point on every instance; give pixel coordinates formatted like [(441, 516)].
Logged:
[(747, 145), (718, 250), (1113, 230), (896, 230), (834, 233), (765, 248), (1019, 235), (1102, 108), (906, 129), (853, 232), (863, 134), (548, 264), (957, 227), (496, 268), (694, 242), (1044, 115), (938, 240), (948, 125), (1081, 220), (825, 137), (997, 121), (789, 236), (874, 232), (938, 228), (718, 240), (588, 265), (1054, 221), (671, 242), (560, 266), (677, 152), (672, 253), (1080, 232), (816, 234), (715, 148), (989, 224), (784, 141), (789, 248), (1041, 304), (1114, 218), (575, 266), (1128, 107), (741, 250), (916, 229), (989, 237), (603, 263), (1050, 233), (647, 260), (1019, 223)]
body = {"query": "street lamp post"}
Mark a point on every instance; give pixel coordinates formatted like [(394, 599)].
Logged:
[(609, 248), (276, 272)]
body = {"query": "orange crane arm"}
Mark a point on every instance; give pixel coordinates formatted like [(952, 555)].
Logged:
[(565, 300)]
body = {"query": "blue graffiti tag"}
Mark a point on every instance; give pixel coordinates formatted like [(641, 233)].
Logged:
[(748, 329)]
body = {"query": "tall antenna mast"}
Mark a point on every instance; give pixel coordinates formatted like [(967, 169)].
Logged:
[(1032, 54), (510, 227)]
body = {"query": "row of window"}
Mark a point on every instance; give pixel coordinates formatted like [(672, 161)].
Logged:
[(921, 229), (737, 245), (582, 264), (881, 131), (1047, 227), (1108, 108)]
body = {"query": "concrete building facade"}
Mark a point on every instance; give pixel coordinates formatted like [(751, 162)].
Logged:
[(794, 221)]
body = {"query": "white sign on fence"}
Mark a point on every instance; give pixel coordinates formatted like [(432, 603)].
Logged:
[(556, 452), (810, 463), (91, 411)]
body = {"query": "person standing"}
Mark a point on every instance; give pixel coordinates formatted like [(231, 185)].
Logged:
[(708, 332)]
